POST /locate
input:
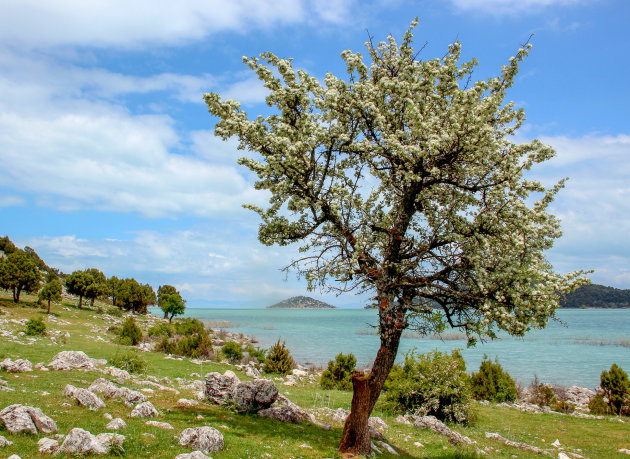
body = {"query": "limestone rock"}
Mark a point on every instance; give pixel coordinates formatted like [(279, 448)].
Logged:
[(431, 422), (47, 445), (116, 424), (84, 397), (624, 451), (579, 396), (205, 439), (4, 442), (22, 418), (159, 425), (79, 441), (301, 412), (117, 373), (252, 372), (111, 440), (186, 403), (402, 420), (70, 360), (377, 423), (254, 395), (193, 455), (110, 390), (524, 446), (282, 414), (144, 410), (196, 385), (16, 366), (219, 387)]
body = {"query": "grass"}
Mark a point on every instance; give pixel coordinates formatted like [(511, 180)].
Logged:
[(246, 436)]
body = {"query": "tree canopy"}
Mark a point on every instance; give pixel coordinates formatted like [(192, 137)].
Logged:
[(19, 272), (134, 296), (51, 291), (89, 283), (403, 180), (173, 305)]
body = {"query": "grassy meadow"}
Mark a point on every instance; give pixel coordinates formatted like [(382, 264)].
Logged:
[(245, 436)]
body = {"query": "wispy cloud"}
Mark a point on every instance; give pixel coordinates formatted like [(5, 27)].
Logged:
[(509, 7)]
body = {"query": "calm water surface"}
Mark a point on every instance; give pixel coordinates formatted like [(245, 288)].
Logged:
[(572, 352)]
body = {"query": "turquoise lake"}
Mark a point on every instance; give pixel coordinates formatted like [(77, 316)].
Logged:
[(571, 352)]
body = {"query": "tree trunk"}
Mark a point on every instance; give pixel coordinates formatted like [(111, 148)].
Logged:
[(16, 293), (48, 312), (367, 388), (80, 301)]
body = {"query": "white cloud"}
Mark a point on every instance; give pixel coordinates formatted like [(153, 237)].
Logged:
[(9, 200), (103, 23), (509, 7), (595, 205)]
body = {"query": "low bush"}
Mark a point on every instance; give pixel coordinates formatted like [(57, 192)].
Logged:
[(116, 312), (130, 333), (433, 384), (493, 383), (542, 395), (278, 360), (232, 351), (35, 326), (130, 361), (256, 353), (339, 373), (188, 326), (160, 330), (597, 405)]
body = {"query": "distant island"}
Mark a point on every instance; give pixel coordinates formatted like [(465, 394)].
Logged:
[(597, 296), (301, 302)]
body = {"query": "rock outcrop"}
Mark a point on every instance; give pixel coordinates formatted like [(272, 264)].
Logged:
[(505, 441), (71, 360), (144, 410), (22, 418), (159, 425), (219, 387), (16, 366), (205, 439), (79, 441), (47, 445), (84, 397), (431, 422), (254, 395), (116, 424), (109, 389)]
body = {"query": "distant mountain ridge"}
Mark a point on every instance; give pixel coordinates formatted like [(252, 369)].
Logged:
[(301, 302)]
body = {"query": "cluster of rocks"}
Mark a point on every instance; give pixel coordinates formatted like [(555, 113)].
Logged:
[(16, 366)]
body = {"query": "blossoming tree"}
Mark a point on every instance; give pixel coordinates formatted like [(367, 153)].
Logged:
[(402, 180)]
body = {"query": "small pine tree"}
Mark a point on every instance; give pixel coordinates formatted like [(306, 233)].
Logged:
[(491, 382), (617, 387), (279, 360), (130, 334), (339, 373)]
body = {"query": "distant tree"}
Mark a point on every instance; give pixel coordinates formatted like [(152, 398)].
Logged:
[(36, 258), (18, 272), (113, 283), (51, 292), (134, 296), (173, 305), (89, 283), (164, 291), (97, 286), (403, 180)]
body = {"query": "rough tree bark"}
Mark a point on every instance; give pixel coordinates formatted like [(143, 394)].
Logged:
[(367, 387)]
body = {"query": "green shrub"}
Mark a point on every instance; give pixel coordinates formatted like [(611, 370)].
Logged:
[(130, 361), (491, 382), (116, 312), (188, 326), (597, 405), (197, 344), (543, 395), (278, 360), (35, 326), (232, 351), (616, 385), (430, 384), (339, 372), (256, 353), (130, 333), (160, 330)]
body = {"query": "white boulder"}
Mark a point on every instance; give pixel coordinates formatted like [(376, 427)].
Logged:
[(144, 410), (205, 439), (22, 418), (84, 397)]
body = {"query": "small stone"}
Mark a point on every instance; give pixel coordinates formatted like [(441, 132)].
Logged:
[(4, 442), (47, 445), (160, 425), (108, 416), (144, 410), (556, 443), (186, 403), (193, 455), (116, 424), (84, 397), (417, 444)]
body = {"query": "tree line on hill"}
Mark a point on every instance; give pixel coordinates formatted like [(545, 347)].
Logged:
[(24, 271), (597, 296)]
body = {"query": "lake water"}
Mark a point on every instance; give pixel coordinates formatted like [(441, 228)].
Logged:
[(573, 352)]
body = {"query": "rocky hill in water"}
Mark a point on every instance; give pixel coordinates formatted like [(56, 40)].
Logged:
[(301, 302)]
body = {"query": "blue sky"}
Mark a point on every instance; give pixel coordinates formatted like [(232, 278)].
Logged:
[(109, 161)]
